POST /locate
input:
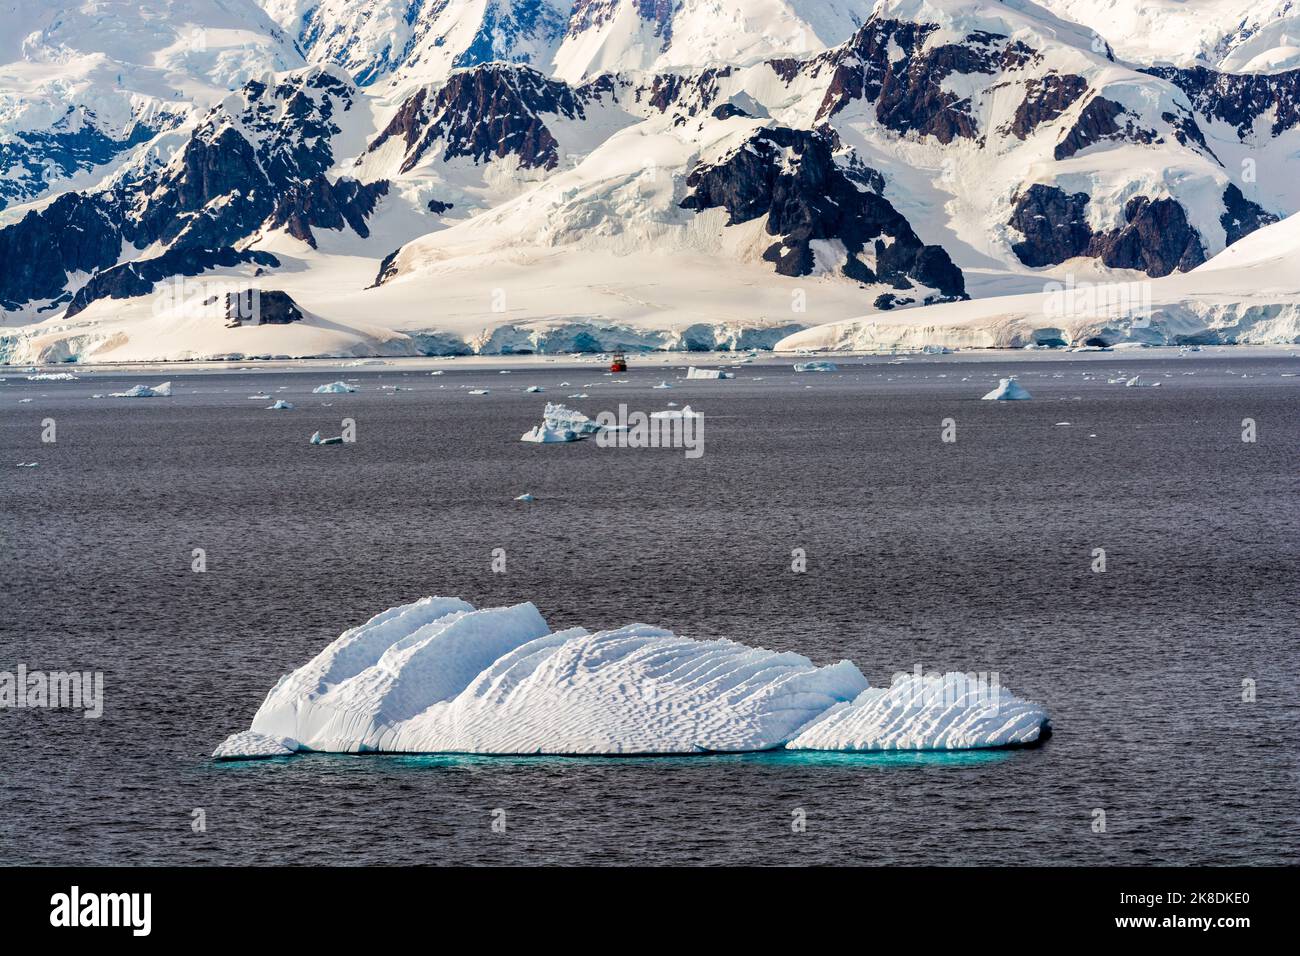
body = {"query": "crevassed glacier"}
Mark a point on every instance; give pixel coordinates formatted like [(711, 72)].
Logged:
[(438, 676)]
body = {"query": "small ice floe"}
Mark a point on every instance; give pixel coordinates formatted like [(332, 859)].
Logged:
[(815, 367), (1137, 382), (684, 412), (52, 377), (280, 404), (144, 391), (250, 745), (316, 439), (1062, 423), (534, 388), (525, 497), (579, 395), (437, 371), (260, 398), (559, 425), (662, 385), (1008, 390), (29, 464), (23, 401), (333, 388), (693, 372), (478, 391)]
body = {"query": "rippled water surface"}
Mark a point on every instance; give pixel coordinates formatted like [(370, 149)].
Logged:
[(974, 555)]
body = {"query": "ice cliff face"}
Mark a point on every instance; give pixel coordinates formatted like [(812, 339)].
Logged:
[(437, 676)]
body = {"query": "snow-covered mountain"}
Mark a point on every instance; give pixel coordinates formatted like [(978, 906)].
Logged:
[(543, 175), (81, 84)]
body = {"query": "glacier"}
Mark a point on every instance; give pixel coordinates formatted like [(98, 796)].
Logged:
[(439, 676)]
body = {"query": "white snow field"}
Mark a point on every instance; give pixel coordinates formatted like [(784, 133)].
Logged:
[(438, 676), (1247, 294)]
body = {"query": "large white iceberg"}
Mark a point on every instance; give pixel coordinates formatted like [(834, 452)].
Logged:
[(1008, 390), (146, 391), (693, 372), (437, 676)]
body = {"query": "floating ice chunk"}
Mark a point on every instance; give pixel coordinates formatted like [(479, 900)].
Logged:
[(144, 391), (52, 377), (250, 745), (316, 439), (662, 385), (542, 435), (952, 711), (560, 424), (333, 388), (478, 391), (693, 372), (437, 676), (684, 412), (525, 497), (815, 367), (534, 388), (280, 403), (1137, 382), (1008, 390)]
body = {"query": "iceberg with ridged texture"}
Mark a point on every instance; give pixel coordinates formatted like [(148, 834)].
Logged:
[(438, 676), (927, 712)]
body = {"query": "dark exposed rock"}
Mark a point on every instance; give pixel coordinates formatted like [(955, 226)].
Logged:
[(494, 110), (1053, 223), (907, 89), (74, 233), (1156, 237), (438, 208), (1240, 216), (792, 177), (1045, 100), (1238, 99), (727, 111), (139, 277), (261, 307), (787, 68), (1098, 121), (318, 202)]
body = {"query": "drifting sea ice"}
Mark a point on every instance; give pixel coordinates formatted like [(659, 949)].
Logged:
[(333, 388), (437, 676), (280, 404), (560, 424), (1008, 390), (693, 372), (815, 367), (144, 391), (684, 412)]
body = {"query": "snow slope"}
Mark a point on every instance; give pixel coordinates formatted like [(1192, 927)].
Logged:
[(437, 676), (1249, 293), (1233, 35)]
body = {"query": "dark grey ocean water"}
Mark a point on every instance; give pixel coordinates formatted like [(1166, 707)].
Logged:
[(973, 556)]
